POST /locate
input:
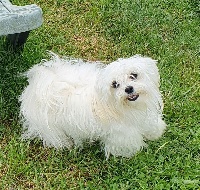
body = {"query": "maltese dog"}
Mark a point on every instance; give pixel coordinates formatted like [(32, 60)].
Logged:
[(69, 101)]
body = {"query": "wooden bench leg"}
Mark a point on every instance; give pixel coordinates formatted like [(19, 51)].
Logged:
[(17, 40)]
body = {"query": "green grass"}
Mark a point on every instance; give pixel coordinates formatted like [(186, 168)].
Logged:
[(104, 30)]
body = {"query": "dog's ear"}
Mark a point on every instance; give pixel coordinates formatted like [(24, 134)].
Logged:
[(149, 66), (153, 71)]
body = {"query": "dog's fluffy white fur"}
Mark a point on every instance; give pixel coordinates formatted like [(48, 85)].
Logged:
[(69, 101)]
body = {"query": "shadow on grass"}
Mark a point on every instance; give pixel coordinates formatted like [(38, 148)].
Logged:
[(12, 65), (195, 4)]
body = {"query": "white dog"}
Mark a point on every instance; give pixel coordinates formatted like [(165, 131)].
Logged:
[(69, 101)]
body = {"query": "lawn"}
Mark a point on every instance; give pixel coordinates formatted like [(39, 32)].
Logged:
[(105, 30)]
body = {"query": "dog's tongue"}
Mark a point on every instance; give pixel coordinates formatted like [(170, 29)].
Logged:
[(132, 97)]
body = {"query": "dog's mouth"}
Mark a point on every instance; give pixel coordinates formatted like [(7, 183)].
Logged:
[(133, 97)]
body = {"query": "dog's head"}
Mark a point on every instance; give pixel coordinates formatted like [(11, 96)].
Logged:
[(129, 81)]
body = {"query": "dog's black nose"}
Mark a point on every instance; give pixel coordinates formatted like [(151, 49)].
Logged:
[(129, 89)]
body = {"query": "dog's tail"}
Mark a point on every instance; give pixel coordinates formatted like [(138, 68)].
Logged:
[(36, 102)]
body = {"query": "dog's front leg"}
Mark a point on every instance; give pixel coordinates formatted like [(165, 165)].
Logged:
[(154, 130), (123, 141)]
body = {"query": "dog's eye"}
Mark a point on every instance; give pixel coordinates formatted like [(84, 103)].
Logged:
[(115, 84), (133, 76)]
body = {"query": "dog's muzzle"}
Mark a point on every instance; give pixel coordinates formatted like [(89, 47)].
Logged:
[(132, 95)]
